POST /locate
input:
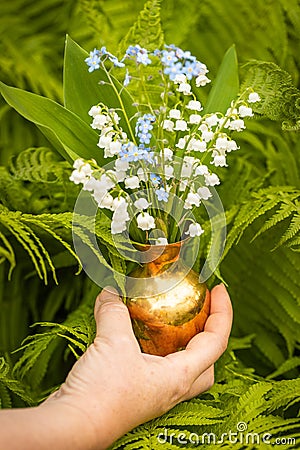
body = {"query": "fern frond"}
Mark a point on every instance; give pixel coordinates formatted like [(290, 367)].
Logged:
[(30, 230), (252, 402), (40, 348), (9, 386), (260, 203), (38, 165), (82, 333), (266, 290), (147, 30), (280, 99), (284, 211), (28, 239), (288, 365), (284, 393), (292, 231), (133, 436), (47, 223), (110, 20), (193, 413), (7, 253)]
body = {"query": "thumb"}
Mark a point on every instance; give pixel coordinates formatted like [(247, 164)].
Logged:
[(112, 318)]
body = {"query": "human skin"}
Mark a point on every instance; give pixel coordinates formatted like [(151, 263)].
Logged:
[(114, 387)]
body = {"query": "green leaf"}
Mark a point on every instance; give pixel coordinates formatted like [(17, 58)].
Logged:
[(79, 101), (66, 131), (226, 85)]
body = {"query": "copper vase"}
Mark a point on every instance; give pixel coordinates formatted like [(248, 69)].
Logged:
[(167, 303)]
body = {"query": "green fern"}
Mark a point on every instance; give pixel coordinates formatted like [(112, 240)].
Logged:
[(39, 349), (247, 25), (38, 165), (31, 172), (147, 30), (32, 230), (10, 386), (285, 367), (250, 408), (285, 198), (25, 228), (266, 298), (292, 232), (109, 20), (260, 196), (280, 98)]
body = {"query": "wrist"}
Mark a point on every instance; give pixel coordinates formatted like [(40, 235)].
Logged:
[(85, 426)]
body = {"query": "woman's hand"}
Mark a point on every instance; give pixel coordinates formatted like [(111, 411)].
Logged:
[(116, 387)]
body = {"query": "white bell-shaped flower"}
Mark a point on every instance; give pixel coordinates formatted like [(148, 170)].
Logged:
[(145, 221), (132, 182), (195, 229), (191, 200), (141, 204), (204, 193), (117, 226), (211, 179)]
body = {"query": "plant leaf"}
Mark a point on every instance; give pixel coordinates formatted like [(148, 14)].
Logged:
[(226, 85), (62, 127)]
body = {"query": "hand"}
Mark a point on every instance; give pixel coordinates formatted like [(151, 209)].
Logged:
[(115, 387)]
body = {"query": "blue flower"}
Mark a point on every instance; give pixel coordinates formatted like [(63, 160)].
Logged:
[(95, 52), (157, 52), (115, 61), (132, 153), (143, 128), (125, 152), (171, 46), (127, 78), (146, 126), (155, 179), (111, 57), (133, 50), (168, 58), (162, 195), (191, 69), (145, 137), (93, 61), (150, 117), (148, 156), (136, 154), (140, 54), (103, 51), (143, 58), (186, 55), (172, 71)]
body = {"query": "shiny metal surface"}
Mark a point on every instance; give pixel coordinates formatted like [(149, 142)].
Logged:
[(174, 305)]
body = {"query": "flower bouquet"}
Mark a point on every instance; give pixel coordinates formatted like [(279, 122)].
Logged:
[(146, 151)]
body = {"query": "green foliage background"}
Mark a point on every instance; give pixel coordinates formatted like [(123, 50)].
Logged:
[(257, 379)]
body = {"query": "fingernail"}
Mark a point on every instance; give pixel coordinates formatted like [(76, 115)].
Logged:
[(108, 293), (222, 286)]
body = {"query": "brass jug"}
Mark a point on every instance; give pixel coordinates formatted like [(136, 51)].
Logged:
[(173, 306)]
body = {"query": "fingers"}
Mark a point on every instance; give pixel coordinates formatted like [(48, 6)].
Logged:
[(113, 320), (206, 347), (221, 313), (204, 382)]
